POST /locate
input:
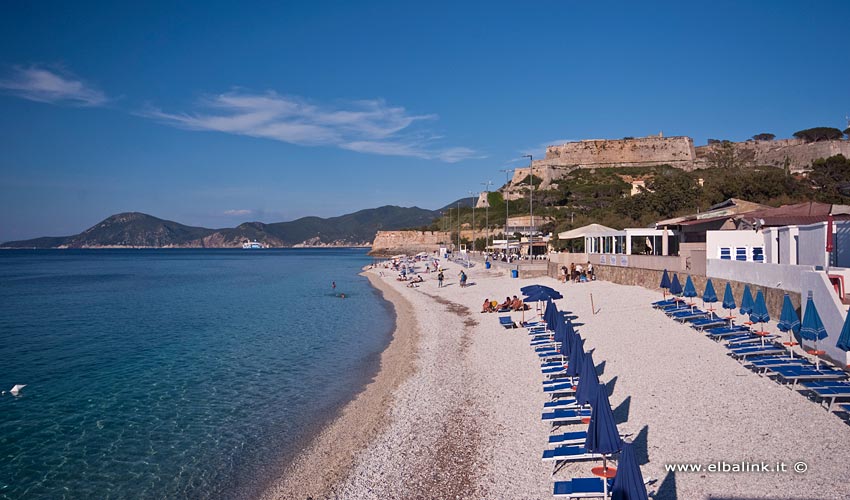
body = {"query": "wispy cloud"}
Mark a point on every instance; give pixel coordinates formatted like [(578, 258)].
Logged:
[(539, 150), (366, 126), (54, 86), (238, 212)]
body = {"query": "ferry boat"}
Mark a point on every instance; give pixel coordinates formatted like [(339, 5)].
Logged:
[(250, 245)]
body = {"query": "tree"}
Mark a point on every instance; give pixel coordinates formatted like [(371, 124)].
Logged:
[(764, 137), (819, 134), (831, 177), (728, 155), (847, 132)]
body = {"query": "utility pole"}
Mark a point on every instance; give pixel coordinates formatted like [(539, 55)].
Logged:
[(530, 203), (458, 227), (472, 196), (487, 213), (507, 172)]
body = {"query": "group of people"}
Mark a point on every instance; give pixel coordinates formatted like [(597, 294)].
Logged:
[(577, 273), (510, 304)]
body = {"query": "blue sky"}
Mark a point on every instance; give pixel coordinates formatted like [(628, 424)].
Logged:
[(215, 113)]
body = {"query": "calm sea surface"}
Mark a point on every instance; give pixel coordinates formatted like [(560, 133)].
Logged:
[(175, 373)]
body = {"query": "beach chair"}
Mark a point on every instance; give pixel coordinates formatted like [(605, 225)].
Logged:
[(564, 416), (569, 454), (830, 394), (563, 403), (507, 322), (559, 389), (723, 331), (845, 408), (747, 339), (685, 316), (581, 487), (568, 438), (662, 303), (761, 364), (794, 374), (746, 352), (710, 322)]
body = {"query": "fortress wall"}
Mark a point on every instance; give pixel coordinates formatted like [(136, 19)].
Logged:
[(800, 154), (642, 151), (395, 242)]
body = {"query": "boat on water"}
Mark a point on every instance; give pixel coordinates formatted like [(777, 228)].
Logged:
[(250, 245)]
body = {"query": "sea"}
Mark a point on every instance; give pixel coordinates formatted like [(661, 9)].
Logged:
[(179, 373)]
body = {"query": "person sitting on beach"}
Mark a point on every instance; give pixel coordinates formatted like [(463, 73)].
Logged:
[(506, 304), (487, 307), (516, 304)]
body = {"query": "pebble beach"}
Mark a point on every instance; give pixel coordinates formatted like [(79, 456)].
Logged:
[(454, 411)]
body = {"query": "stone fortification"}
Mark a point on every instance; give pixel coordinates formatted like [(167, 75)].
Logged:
[(799, 154), (408, 242)]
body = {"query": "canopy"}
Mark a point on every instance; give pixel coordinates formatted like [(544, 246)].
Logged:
[(728, 298), (533, 288), (788, 319), (628, 483), (709, 295), (588, 381), (543, 294), (746, 301), (675, 286), (581, 232)]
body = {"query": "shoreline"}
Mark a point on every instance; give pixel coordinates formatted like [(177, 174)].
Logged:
[(324, 463)]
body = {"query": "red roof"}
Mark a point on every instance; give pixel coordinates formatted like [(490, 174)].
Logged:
[(798, 214)]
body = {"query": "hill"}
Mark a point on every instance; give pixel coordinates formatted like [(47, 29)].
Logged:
[(134, 229)]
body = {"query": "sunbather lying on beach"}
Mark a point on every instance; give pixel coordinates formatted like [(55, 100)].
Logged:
[(517, 304), (506, 304)]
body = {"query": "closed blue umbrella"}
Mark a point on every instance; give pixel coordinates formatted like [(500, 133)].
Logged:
[(760, 315), (812, 327), (844, 338), (789, 322), (746, 301), (602, 434), (569, 333), (709, 296), (690, 290), (665, 282), (588, 381), (576, 356), (628, 484), (729, 301), (550, 314), (675, 286)]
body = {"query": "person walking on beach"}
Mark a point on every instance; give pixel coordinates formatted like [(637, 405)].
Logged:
[(440, 280), (462, 279)]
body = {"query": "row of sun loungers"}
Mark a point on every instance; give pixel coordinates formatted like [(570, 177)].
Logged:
[(763, 354)]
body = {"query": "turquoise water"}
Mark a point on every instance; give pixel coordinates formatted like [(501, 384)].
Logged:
[(175, 373)]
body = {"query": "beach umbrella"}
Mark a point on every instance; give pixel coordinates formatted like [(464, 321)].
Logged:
[(628, 484), (675, 286), (588, 381), (602, 434), (760, 315), (844, 338), (690, 290), (746, 301), (812, 328), (533, 288), (789, 322), (665, 283), (542, 294), (576, 356), (549, 314), (729, 301), (709, 296)]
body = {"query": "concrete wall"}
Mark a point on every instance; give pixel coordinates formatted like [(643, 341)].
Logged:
[(780, 276), (394, 242)]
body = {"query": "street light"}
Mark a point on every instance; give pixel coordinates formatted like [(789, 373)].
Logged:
[(507, 171), (472, 197), (487, 212), (531, 203), (458, 228)]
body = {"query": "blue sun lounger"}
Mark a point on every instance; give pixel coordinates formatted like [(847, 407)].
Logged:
[(794, 374), (507, 322), (710, 322), (830, 394), (746, 352), (762, 364), (725, 331), (568, 438), (556, 389), (581, 487), (563, 403), (569, 454), (560, 414)]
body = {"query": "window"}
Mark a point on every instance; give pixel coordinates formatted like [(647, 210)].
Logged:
[(725, 253), (741, 253), (758, 254)]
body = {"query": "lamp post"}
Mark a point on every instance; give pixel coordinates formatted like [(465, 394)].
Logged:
[(507, 172), (487, 213), (472, 197), (458, 227), (530, 203)]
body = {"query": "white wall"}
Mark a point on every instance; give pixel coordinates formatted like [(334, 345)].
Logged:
[(842, 243), (716, 239), (813, 245), (830, 310), (782, 276), (787, 251)]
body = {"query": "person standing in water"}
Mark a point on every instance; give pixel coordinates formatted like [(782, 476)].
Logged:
[(333, 285)]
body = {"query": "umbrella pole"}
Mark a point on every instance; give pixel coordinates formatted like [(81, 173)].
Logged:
[(604, 476)]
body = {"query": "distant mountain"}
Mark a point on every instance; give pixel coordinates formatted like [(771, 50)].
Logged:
[(466, 202), (134, 229)]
